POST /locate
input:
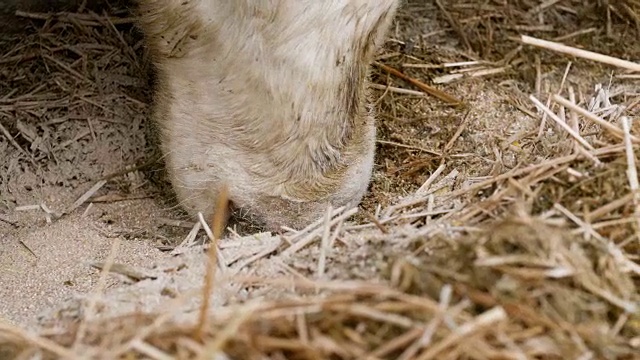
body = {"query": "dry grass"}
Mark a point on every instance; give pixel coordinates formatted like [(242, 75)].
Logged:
[(519, 244)]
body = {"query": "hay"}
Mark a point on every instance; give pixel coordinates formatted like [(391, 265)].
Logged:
[(531, 254)]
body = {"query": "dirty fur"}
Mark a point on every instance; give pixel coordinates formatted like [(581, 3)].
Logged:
[(268, 98)]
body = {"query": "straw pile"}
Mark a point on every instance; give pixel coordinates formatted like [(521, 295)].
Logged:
[(530, 258)]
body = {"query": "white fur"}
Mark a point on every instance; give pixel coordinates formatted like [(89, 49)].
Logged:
[(268, 97)]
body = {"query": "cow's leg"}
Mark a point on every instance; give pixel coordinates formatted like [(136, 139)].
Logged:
[(267, 97)]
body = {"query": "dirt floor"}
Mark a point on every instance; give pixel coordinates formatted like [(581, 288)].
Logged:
[(454, 185)]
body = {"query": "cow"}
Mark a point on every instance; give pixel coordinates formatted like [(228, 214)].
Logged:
[(267, 98)]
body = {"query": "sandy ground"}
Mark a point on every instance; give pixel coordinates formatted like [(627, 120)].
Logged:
[(45, 264), (85, 133)]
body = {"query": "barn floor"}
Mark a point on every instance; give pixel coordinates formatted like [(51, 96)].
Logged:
[(81, 188)]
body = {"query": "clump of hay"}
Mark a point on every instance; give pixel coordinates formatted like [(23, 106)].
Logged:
[(534, 260), (516, 289)]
